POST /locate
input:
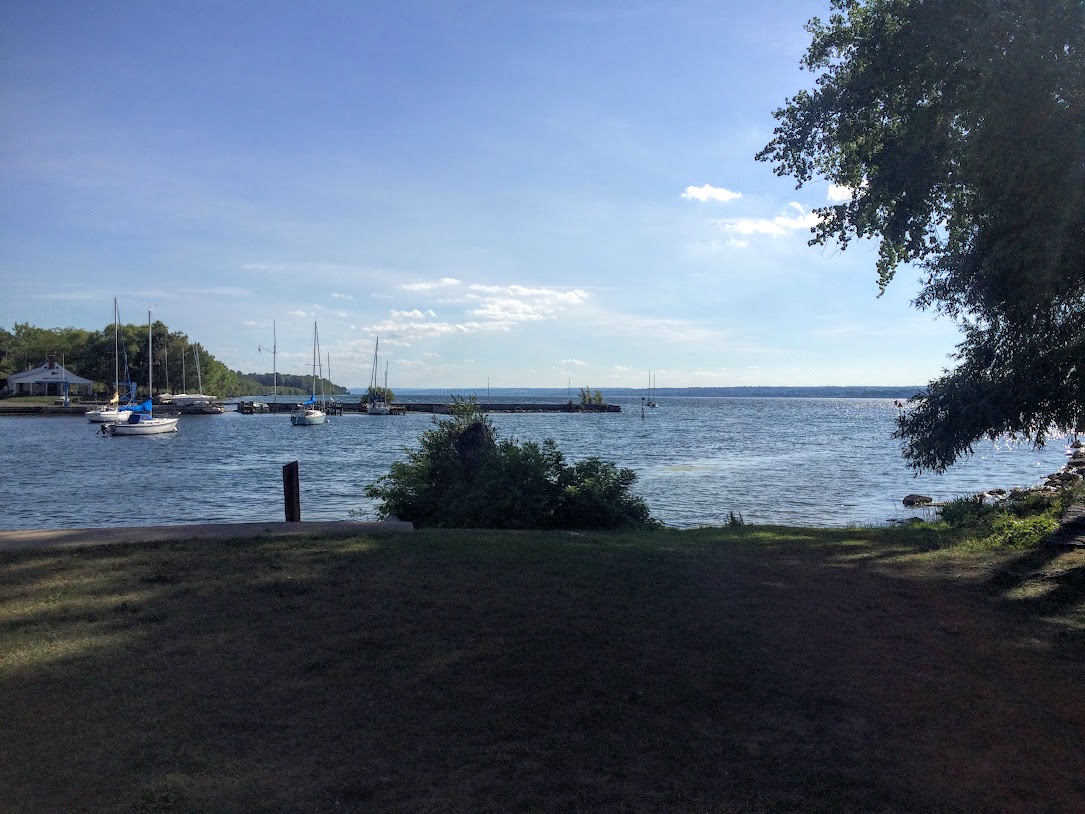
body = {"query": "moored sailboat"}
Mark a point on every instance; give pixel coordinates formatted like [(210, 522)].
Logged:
[(310, 415), (377, 403), (112, 411), (141, 420)]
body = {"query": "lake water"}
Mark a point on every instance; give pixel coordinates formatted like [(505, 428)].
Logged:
[(817, 462)]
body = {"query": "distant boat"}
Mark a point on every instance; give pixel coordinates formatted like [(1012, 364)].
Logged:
[(651, 387), (199, 400), (112, 411), (140, 419), (310, 415), (376, 404)]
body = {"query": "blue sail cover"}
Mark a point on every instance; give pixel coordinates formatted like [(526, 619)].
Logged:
[(312, 400), (145, 407)]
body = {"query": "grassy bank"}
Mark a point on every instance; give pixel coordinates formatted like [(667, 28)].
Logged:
[(746, 669)]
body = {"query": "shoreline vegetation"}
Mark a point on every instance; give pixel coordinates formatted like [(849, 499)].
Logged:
[(739, 669)]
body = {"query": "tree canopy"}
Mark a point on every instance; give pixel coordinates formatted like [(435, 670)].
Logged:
[(959, 128), (90, 354)]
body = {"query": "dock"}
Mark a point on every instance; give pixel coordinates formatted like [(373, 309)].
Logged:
[(339, 408)]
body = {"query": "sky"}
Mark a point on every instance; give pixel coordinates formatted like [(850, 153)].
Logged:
[(514, 194)]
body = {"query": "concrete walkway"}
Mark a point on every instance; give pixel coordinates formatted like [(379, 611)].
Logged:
[(68, 538)]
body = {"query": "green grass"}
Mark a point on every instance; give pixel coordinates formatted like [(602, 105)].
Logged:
[(739, 669)]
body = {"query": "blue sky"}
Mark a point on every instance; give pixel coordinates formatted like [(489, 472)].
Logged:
[(515, 193)]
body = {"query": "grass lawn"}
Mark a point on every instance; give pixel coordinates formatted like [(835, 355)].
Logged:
[(748, 669)]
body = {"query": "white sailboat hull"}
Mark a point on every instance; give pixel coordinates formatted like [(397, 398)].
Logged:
[(377, 408), (307, 418), (107, 415), (145, 426), (191, 400)]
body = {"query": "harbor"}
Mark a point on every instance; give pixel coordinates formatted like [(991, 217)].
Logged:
[(331, 408), (816, 462)]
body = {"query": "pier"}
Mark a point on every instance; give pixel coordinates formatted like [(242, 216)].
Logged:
[(438, 407)]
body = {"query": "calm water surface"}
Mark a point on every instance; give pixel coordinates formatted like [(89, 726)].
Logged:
[(820, 462)]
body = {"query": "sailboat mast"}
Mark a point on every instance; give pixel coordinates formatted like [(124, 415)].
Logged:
[(274, 368), (376, 354), (199, 375), (116, 351), (314, 361), (150, 366)]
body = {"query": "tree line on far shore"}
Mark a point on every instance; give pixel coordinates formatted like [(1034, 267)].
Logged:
[(90, 354)]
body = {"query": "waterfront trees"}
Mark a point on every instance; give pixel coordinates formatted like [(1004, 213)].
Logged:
[(959, 128), (90, 354)]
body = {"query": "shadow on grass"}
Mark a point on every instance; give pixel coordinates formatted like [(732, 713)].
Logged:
[(715, 670)]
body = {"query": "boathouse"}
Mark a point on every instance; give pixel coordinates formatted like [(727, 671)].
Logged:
[(50, 378)]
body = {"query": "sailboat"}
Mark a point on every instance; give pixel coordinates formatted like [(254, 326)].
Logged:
[(309, 414), (651, 387), (140, 419), (376, 404), (112, 411), (193, 400)]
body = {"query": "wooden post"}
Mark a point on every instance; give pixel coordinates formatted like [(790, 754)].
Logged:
[(292, 492)]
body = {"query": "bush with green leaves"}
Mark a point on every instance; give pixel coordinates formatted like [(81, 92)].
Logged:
[(463, 476)]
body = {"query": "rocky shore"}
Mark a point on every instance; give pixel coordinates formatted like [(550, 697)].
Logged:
[(1069, 475)]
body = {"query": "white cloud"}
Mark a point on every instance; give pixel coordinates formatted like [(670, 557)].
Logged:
[(297, 314), (444, 282), (508, 305), (839, 193), (574, 362), (489, 308), (263, 267), (220, 291), (710, 193), (337, 296), (776, 227)]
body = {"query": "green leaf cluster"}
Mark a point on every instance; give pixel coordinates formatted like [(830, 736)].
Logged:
[(378, 393), (587, 396), (959, 128), (463, 476)]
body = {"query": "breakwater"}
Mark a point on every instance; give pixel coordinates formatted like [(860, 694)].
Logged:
[(439, 407)]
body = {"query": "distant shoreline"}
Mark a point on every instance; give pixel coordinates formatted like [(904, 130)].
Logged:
[(848, 391)]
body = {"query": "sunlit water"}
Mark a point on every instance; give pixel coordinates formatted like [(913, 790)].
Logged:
[(819, 462)]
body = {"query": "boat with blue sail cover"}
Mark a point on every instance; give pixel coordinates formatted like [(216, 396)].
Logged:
[(140, 418), (309, 414)]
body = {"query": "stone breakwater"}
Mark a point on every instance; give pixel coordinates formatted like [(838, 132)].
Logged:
[(1072, 473)]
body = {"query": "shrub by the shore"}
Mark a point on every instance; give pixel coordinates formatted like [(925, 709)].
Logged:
[(464, 476)]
